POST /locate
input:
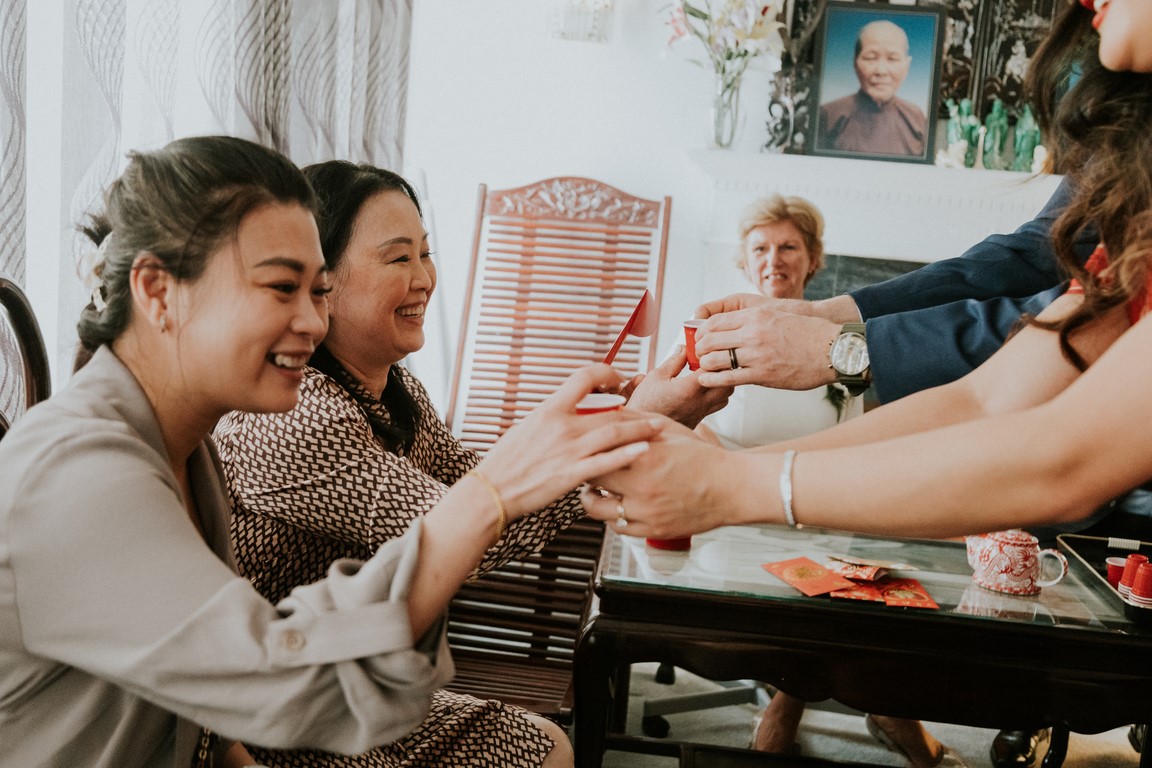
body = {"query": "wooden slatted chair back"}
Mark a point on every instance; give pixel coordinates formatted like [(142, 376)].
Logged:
[(24, 377), (557, 268)]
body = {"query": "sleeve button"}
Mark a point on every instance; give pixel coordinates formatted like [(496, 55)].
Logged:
[(293, 640)]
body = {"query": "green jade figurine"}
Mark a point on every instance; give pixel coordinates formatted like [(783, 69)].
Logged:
[(996, 137), (1027, 139)]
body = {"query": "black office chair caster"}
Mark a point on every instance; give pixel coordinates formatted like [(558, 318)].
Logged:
[(655, 727)]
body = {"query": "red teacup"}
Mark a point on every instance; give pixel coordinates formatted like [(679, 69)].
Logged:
[(690, 327), (1131, 565), (675, 545), (1142, 586), (1115, 570)]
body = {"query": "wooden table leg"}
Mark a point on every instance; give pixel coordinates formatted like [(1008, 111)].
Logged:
[(593, 671), (620, 686)]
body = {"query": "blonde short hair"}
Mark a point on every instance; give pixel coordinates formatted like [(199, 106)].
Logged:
[(804, 216)]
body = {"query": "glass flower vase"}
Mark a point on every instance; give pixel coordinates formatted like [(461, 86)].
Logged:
[(726, 110)]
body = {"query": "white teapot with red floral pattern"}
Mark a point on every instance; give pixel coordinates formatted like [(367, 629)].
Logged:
[(1012, 562)]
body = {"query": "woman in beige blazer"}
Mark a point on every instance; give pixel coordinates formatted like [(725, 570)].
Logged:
[(126, 637)]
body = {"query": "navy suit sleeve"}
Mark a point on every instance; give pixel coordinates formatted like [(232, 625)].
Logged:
[(934, 325), (910, 351), (1016, 265)]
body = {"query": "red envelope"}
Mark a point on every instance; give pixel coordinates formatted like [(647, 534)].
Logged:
[(889, 564), (807, 575), (857, 572), (860, 592), (905, 593)]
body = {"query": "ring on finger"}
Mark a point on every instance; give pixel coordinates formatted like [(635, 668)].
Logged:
[(732, 358), (621, 518)]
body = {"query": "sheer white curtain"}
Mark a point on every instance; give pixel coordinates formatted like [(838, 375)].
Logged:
[(13, 22), (316, 79)]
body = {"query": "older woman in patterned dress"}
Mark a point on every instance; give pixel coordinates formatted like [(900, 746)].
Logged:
[(364, 453)]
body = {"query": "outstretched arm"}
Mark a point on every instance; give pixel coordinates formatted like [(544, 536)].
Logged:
[(1017, 265), (1019, 459), (551, 451), (924, 348), (1029, 370), (1053, 463)]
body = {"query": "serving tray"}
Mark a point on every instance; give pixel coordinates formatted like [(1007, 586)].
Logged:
[(1092, 551)]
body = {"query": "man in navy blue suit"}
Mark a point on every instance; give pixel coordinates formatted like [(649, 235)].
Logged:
[(922, 329)]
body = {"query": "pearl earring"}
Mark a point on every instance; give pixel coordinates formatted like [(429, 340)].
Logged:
[(163, 323)]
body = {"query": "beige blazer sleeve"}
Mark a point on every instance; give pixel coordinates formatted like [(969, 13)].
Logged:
[(111, 577)]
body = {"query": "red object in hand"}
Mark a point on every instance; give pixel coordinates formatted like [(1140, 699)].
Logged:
[(690, 327), (643, 322), (675, 545)]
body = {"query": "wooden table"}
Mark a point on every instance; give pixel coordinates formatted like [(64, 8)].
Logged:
[(1067, 659)]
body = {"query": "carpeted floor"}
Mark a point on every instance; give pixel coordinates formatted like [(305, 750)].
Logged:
[(832, 735)]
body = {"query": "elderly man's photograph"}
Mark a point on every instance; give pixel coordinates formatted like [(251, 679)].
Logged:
[(880, 105)]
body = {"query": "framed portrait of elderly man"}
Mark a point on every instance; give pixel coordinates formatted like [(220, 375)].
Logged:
[(878, 83)]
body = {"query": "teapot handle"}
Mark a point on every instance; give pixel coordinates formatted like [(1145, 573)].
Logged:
[(1059, 557)]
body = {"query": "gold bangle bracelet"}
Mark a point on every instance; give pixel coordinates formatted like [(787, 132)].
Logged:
[(502, 514)]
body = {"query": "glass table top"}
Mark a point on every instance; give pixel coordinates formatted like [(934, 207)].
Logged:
[(730, 561)]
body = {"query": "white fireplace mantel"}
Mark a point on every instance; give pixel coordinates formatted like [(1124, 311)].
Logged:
[(905, 211)]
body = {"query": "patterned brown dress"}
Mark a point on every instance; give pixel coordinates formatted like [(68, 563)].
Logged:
[(314, 485)]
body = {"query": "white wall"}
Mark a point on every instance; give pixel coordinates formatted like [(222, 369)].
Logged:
[(494, 98)]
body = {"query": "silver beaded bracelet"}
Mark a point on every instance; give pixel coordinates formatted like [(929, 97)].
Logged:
[(786, 487)]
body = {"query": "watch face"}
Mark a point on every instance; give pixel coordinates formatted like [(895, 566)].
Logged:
[(850, 354)]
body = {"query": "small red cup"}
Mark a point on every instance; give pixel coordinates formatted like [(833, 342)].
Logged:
[(674, 545), (1115, 570), (690, 327), (600, 402), (1142, 586), (1131, 565)]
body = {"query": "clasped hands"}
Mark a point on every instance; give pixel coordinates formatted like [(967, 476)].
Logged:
[(780, 343)]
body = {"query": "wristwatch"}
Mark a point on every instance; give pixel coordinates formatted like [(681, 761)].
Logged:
[(848, 356)]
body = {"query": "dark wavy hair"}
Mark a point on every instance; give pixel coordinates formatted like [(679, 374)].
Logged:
[(180, 204), (342, 188), (1096, 125)]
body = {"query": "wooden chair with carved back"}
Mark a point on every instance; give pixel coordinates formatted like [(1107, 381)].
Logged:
[(557, 268), (24, 376)]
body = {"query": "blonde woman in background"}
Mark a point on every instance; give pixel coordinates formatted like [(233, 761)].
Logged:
[(781, 250)]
